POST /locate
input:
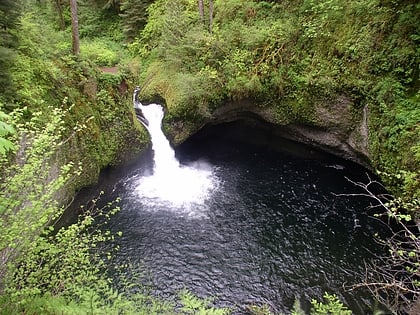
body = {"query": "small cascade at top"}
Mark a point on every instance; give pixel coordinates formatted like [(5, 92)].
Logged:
[(180, 185)]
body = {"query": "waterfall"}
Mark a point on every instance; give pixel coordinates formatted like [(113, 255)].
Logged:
[(184, 186), (164, 156)]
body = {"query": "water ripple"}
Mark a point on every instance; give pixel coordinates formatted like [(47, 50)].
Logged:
[(258, 229)]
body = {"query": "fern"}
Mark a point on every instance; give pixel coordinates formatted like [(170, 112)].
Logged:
[(331, 306), (194, 305), (5, 130)]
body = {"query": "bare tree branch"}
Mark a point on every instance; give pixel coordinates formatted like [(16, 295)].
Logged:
[(393, 279)]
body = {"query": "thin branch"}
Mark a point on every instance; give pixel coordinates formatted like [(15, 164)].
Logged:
[(392, 279)]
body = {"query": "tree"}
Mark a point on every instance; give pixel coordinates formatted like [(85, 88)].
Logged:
[(134, 14), (395, 279), (112, 4), (201, 12), (58, 5), (9, 14), (201, 9), (75, 27), (211, 9)]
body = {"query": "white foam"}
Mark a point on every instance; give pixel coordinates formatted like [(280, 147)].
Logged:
[(186, 188)]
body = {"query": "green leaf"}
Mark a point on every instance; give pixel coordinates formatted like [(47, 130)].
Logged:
[(5, 146)]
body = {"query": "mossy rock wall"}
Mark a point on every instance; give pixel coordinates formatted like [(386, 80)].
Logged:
[(110, 134), (337, 126)]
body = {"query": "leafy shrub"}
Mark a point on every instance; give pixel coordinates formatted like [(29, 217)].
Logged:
[(331, 306), (194, 305), (100, 51), (5, 130)]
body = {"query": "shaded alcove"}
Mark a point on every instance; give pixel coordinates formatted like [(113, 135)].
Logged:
[(250, 129)]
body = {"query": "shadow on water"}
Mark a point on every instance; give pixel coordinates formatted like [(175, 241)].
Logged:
[(271, 230)]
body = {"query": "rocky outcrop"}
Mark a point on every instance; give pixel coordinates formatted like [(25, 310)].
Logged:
[(338, 127)]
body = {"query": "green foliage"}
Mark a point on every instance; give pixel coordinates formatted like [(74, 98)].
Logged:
[(33, 70), (110, 4), (46, 74), (28, 197), (260, 310), (194, 305), (9, 12), (65, 271), (100, 19), (100, 51), (5, 130), (134, 17), (63, 262), (332, 306), (64, 111), (399, 132)]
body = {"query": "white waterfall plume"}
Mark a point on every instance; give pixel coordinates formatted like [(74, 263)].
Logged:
[(181, 185)]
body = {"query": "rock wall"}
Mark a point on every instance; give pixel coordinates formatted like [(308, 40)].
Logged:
[(339, 127)]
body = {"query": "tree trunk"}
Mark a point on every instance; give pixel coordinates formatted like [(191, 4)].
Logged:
[(211, 9), (75, 27), (201, 9), (59, 8)]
